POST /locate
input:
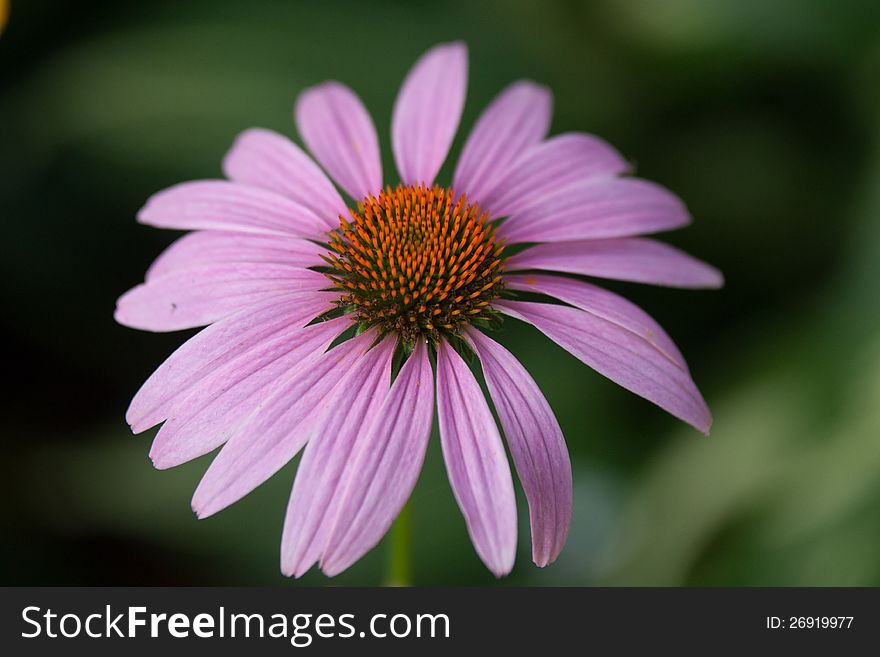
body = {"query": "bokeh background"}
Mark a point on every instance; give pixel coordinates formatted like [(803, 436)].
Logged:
[(763, 116)]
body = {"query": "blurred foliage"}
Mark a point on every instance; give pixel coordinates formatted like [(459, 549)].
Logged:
[(764, 117)]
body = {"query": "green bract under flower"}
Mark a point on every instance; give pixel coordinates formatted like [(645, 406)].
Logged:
[(417, 261)]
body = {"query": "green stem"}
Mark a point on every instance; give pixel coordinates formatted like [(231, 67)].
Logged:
[(400, 553)]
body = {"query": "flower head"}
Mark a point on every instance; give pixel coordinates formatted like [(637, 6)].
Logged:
[(311, 304), (417, 262)]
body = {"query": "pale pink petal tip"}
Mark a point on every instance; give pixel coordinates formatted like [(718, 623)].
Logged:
[(635, 259), (275, 431), (476, 462), (226, 205), (550, 167), (204, 294), (616, 207), (384, 465), (338, 130), (604, 304), (517, 119), (427, 112), (536, 445), (209, 416), (264, 158), (316, 496), (616, 352), (210, 247), (226, 345)]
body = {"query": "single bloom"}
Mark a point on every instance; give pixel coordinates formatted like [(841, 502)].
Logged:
[(334, 327)]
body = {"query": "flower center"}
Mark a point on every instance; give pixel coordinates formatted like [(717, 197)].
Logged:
[(416, 261)]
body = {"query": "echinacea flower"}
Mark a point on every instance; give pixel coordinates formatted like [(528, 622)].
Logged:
[(334, 327)]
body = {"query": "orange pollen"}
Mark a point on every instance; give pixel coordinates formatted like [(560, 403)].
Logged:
[(416, 261)]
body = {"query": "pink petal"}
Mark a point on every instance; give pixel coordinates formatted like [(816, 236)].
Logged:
[(476, 462), (196, 297), (208, 416), (622, 356), (263, 158), (205, 247), (616, 207), (276, 430), (546, 168), (339, 132), (313, 502), (223, 205), (384, 465), (231, 339), (628, 259), (602, 303), (427, 111), (519, 117), (536, 445)]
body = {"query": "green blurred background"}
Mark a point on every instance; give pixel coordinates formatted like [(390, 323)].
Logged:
[(763, 116)]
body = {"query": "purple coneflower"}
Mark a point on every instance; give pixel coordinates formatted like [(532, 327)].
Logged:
[(324, 318)]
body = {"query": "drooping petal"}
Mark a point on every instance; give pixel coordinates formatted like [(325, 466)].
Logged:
[(549, 167), (536, 445), (210, 247), (224, 205), (196, 297), (208, 416), (603, 303), (276, 430), (624, 357), (634, 259), (231, 339), (475, 462), (384, 465), (518, 118), (339, 132), (616, 207), (427, 112), (264, 158), (313, 501)]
